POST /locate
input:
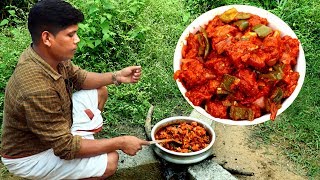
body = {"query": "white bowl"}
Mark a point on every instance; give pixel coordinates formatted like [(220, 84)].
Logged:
[(177, 157), (275, 23)]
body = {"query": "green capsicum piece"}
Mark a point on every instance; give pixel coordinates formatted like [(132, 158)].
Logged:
[(201, 45), (262, 30), (272, 76), (228, 15), (238, 113), (207, 48), (221, 91), (276, 74), (279, 67), (242, 24), (228, 81), (277, 95), (242, 15)]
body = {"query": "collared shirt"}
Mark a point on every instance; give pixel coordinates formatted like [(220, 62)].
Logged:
[(37, 108)]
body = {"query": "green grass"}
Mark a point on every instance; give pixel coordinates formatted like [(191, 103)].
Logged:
[(12, 42), (296, 131)]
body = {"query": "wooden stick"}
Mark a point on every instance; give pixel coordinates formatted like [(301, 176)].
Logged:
[(236, 171), (164, 140), (160, 141), (147, 124)]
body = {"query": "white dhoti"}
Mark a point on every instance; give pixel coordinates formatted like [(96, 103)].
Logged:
[(47, 166), (83, 125)]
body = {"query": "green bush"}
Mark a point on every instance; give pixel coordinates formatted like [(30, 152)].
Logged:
[(112, 38), (197, 7), (13, 12), (109, 33)]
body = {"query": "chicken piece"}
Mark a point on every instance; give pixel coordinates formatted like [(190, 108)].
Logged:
[(216, 109), (290, 50)]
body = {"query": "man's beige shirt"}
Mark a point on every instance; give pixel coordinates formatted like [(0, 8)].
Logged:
[(38, 108)]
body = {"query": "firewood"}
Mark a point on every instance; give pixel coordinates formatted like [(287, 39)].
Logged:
[(236, 171), (147, 125)]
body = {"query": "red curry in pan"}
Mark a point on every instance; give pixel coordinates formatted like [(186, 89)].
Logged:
[(236, 67), (192, 136)]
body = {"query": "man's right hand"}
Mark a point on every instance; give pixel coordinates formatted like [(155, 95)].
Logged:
[(131, 144), (93, 147)]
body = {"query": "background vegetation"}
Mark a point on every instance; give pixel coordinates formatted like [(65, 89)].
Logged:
[(116, 34)]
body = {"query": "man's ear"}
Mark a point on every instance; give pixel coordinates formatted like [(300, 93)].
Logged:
[(46, 38)]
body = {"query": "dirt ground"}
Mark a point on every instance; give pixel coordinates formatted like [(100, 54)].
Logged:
[(234, 150)]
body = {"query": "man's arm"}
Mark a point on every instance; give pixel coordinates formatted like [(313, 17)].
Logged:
[(97, 80), (128, 144), (129, 74)]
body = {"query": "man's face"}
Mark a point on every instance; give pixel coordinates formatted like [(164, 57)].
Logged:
[(64, 43)]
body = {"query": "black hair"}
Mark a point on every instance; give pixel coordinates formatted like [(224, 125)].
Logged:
[(52, 16)]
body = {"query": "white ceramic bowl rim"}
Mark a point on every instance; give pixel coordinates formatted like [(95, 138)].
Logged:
[(176, 118), (275, 23)]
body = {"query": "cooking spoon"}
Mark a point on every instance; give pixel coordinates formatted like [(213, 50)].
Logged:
[(164, 140)]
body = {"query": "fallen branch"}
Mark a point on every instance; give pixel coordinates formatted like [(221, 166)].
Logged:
[(236, 171), (147, 124)]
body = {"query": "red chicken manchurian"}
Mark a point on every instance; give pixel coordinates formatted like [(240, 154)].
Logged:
[(192, 136), (236, 67)]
